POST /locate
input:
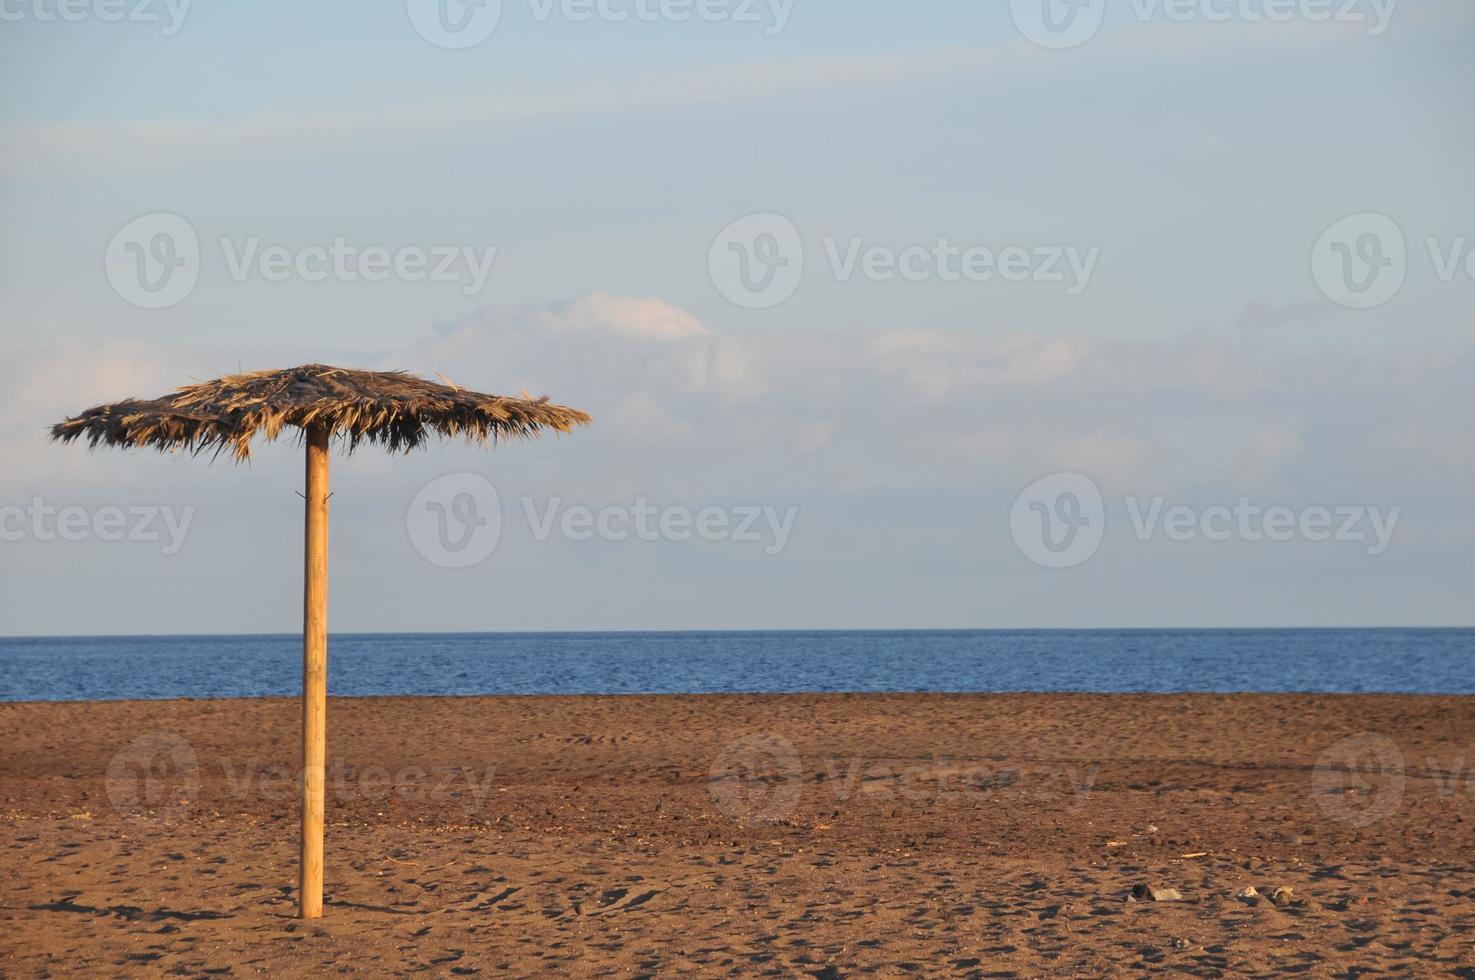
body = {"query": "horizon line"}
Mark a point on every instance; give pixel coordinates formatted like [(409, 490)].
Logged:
[(739, 632)]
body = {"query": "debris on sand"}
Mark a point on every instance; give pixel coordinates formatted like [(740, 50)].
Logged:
[(1144, 893)]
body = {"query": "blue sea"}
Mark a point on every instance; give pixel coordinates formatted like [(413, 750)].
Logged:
[(1380, 660)]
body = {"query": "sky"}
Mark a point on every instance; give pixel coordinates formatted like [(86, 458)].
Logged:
[(1104, 313)]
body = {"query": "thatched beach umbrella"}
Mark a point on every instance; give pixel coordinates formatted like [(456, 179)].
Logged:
[(394, 409)]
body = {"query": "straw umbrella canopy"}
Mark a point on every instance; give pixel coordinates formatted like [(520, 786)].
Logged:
[(395, 410)]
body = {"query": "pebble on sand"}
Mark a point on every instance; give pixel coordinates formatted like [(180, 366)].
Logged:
[(1142, 892)]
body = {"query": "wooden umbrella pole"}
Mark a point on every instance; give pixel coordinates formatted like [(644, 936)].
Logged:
[(314, 674)]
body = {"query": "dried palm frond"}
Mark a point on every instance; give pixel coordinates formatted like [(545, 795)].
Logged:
[(396, 410)]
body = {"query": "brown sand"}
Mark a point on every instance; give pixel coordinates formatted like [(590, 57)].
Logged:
[(928, 835)]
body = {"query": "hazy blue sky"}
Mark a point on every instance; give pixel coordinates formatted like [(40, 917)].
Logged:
[(1189, 162)]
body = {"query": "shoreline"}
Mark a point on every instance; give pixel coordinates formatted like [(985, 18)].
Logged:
[(776, 695), (754, 631)]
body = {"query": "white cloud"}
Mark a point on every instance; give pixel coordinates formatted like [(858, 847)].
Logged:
[(625, 315), (888, 473), (682, 410), (817, 408)]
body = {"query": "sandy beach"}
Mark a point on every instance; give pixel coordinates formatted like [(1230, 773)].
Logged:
[(823, 835)]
